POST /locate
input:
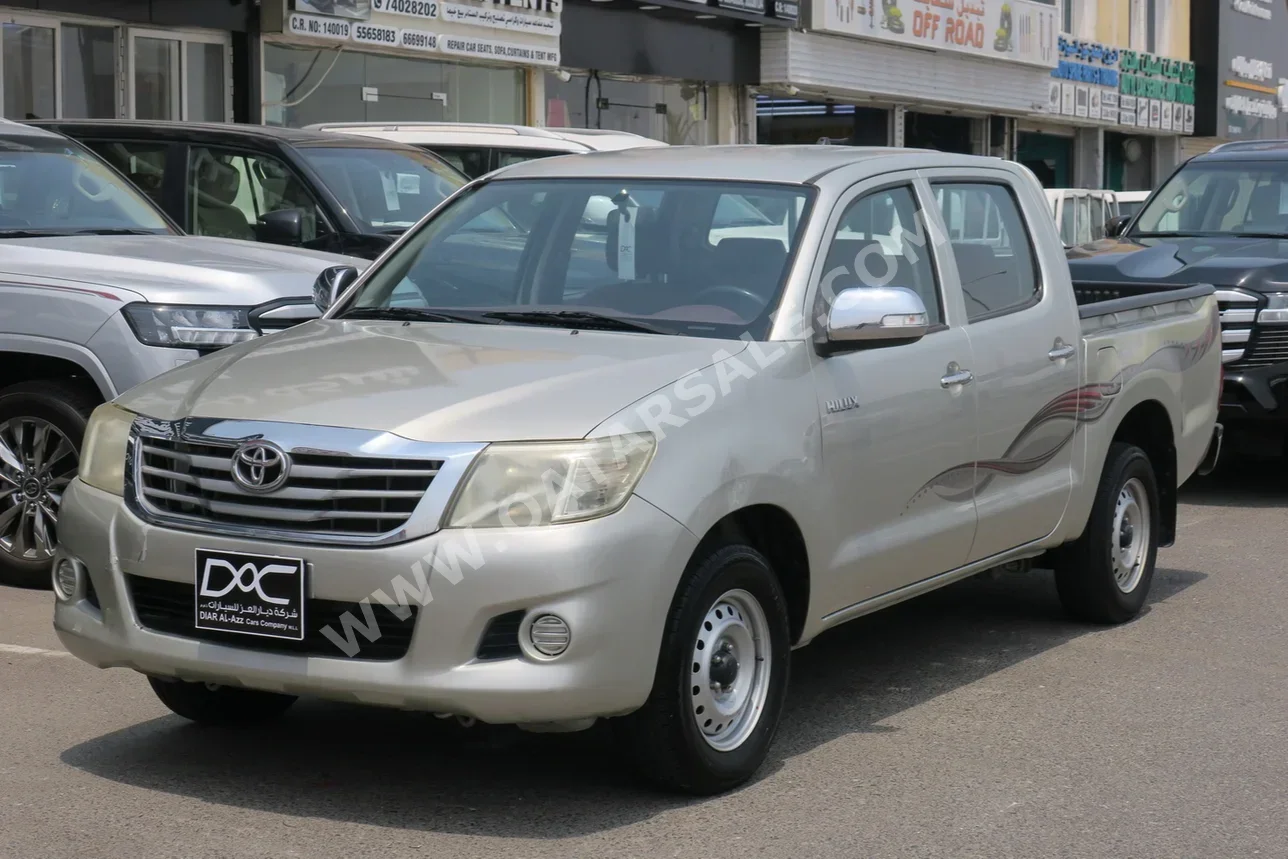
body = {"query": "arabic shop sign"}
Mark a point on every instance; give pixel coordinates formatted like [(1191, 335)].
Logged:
[(1088, 62), (1021, 31), (1160, 78)]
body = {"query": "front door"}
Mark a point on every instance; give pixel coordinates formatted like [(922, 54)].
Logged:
[(1024, 335), (898, 435)]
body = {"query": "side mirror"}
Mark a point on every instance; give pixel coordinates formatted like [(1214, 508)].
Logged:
[(882, 315), (1116, 226), (283, 227), (331, 284)]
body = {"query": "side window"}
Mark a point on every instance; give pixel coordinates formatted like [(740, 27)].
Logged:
[(1084, 219), (882, 240), (472, 161), (141, 163), (228, 192), (997, 275), (1100, 214)]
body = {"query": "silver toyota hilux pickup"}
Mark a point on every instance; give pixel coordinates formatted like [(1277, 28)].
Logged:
[(540, 467), (100, 291)]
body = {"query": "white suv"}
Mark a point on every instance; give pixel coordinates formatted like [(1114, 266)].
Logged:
[(477, 148)]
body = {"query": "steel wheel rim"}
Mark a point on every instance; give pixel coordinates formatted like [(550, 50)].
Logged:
[(1131, 535), (37, 461), (730, 670)]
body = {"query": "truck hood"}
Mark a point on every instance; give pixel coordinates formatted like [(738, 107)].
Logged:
[(174, 269), (1260, 265), (429, 381)]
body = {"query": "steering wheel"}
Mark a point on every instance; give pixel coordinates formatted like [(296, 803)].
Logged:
[(745, 297)]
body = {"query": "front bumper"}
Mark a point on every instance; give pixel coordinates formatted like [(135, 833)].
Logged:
[(611, 579), (1255, 394)]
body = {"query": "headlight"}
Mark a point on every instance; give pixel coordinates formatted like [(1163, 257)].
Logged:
[(189, 327), (1276, 312), (102, 461), (545, 483)]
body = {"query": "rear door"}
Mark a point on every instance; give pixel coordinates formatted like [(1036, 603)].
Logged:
[(1023, 330)]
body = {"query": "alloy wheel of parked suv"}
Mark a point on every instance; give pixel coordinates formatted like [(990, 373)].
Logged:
[(41, 426)]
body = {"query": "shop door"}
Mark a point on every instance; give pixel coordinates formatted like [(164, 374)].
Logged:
[(942, 133), (1049, 157)]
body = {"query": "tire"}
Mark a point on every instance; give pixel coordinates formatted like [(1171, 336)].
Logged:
[(670, 746), (1098, 578), (210, 704), (63, 405)]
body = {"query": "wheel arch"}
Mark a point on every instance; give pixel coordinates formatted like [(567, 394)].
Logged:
[(774, 532), (30, 359), (1148, 426)]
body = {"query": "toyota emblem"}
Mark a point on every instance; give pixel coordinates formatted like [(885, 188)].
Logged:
[(260, 466)]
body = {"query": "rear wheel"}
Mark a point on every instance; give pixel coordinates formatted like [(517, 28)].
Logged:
[(1104, 576), (721, 678), (212, 704), (41, 427)]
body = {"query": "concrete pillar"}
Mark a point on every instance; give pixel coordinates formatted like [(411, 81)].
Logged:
[(898, 119), (536, 110), (1089, 158)]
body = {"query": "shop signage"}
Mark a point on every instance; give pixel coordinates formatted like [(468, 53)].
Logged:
[(1119, 81), (1020, 31), (500, 16), (320, 28), (786, 10), (756, 7), (417, 40), (409, 8), (1255, 8), (371, 34), (491, 49), (359, 10)]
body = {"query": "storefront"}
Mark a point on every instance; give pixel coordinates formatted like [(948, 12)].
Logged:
[(167, 59), (950, 76), (1242, 51), (673, 70), (405, 60), (1114, 118)]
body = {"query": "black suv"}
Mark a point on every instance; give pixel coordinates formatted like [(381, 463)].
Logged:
[(1221, 218), (334, 192)]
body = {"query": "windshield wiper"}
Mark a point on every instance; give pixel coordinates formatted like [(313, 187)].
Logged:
[(1260, 235), (1164, 236), (410, 314), (574, 319), (104, 231)]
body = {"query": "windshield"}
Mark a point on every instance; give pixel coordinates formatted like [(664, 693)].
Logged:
[(53, 186), (385, 190), (1215, 198), (706, 259)]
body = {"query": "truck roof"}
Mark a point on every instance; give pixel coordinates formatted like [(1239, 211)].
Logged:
[(746, 163)]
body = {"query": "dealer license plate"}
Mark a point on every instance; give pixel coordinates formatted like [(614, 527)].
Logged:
[(250, 594)]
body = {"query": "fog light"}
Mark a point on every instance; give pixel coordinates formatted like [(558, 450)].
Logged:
[(549, 635), (66, 579)]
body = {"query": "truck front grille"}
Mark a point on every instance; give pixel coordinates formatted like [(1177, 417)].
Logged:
[(169, 607), (1238, 319), (325, 494), (1269, 346)]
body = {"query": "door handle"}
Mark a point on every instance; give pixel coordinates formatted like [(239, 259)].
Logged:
[(956, 376), (1062, 352)]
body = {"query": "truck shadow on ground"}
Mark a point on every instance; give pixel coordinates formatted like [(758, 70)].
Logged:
[(1240, 482), (413, 771)]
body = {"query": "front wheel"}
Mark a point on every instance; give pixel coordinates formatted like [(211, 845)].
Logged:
[(212, 704), (1104, 575), (721, 678)]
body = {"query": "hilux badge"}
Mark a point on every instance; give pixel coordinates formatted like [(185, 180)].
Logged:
[(842, 405)]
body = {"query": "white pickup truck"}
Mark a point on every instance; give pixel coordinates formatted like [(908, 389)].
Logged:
[(577, 469)]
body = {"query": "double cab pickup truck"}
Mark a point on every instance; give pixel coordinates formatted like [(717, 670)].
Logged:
[(619, 466), (99, 291), (1221, 218)]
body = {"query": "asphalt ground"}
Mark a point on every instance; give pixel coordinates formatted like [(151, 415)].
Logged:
[(973, 722)]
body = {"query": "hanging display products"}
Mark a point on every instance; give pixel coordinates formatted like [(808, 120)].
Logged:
[(1125, 80), (1021, 31)]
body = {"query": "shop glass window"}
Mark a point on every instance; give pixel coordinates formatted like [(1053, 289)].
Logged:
[(673, 112), (29, 74), (303, 86), (89, 71), (156, 78), (881, 241), (998, 272), (141, 163), (229, 191), (206, 82)]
